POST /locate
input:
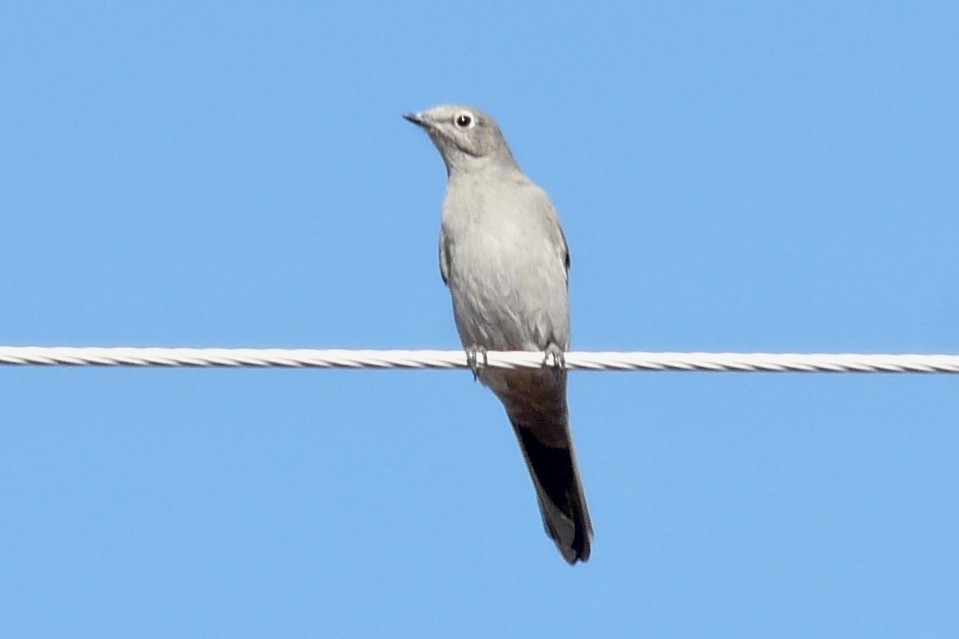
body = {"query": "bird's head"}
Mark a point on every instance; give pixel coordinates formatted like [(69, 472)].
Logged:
[(465, 137)]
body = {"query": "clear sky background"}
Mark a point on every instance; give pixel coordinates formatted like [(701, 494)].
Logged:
[(758, 177)]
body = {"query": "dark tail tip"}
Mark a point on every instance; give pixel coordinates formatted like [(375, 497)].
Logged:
[(554, 471)]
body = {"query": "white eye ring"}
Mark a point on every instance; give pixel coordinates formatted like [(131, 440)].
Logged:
[(464, 120)]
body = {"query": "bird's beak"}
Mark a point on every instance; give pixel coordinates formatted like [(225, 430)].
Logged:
[(416, 118)]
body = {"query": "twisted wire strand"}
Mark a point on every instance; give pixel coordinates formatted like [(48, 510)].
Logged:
[(436, 359)]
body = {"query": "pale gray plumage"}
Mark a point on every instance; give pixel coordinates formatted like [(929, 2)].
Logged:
[(504, 257)]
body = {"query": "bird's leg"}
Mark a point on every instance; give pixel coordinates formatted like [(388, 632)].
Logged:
[(472, 359), (555, 358)]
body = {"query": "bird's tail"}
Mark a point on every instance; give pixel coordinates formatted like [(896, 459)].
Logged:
[(535, 401)]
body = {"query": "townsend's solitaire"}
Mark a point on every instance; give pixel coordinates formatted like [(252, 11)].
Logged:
[(504, 257)]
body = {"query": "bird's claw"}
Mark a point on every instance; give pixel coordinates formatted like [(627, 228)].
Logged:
[(472, 360), (555, 358)]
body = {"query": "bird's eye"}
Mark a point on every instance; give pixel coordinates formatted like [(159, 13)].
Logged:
[(464, 120)]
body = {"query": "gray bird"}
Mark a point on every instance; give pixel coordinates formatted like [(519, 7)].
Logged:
[(504, 257)]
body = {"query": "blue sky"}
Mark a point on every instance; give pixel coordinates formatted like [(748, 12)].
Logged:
[(757, 177)]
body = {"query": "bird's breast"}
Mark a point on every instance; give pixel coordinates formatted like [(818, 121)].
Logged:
[(508, 286)]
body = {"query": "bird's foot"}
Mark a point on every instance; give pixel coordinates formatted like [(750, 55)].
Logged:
[(555, 358), (473, 354)]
